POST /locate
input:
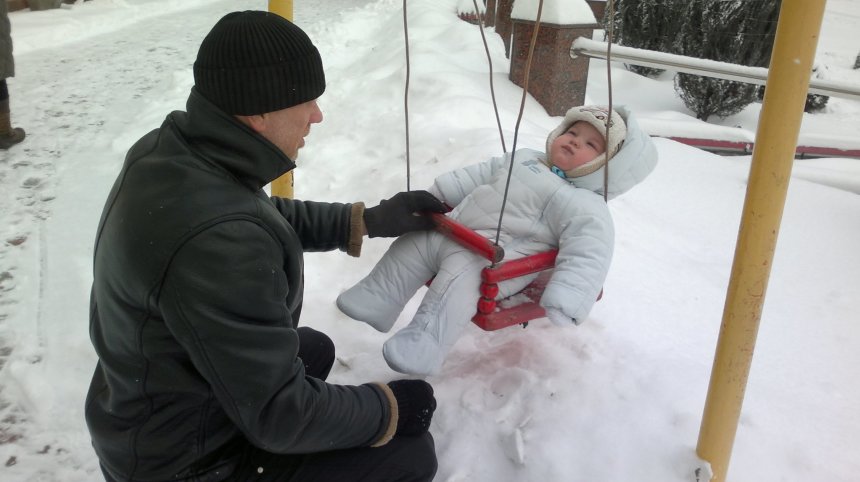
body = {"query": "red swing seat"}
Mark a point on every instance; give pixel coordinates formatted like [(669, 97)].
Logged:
[(522, 307), (518, 309)]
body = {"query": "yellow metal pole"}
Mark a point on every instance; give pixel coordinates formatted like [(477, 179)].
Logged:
[(776, 140), (283, 8), (283, 186)]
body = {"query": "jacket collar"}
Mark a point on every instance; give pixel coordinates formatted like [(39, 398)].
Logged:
[(224, 141)]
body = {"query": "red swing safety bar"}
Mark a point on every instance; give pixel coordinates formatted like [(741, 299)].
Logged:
[(490, 316), (468, 238)]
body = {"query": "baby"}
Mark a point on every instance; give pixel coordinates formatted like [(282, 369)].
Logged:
[(555, 200)]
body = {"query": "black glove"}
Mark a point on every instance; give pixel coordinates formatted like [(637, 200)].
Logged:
[(402, 214), (416, 404)]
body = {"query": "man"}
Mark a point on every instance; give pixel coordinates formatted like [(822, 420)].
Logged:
[(9, 136), (203, 374)]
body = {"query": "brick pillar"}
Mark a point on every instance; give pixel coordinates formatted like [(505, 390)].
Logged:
[(490, 18), (556, 81), (598, 7), (503, 23)]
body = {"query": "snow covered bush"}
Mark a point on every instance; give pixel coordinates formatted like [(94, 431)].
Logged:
[(817, 102), (645, 24), (734, 31)]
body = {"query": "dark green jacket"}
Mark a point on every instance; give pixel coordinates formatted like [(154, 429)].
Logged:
[(196, 296)]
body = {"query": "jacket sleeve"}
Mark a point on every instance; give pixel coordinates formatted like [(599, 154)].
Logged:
[(586, 237), (455, 185), (323, 226), (231, 318)]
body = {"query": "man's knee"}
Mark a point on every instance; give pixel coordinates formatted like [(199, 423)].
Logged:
[(422, 456), (316, 351)]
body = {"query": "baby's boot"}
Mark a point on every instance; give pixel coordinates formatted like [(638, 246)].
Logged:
[(373, 308)]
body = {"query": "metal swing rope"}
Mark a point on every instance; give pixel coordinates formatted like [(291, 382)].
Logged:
[(490, 63), (519, 118), (406, 95), (526, 75), (406, 88), (611, 22), (609, 35)]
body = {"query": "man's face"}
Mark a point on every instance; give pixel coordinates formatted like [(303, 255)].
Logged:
[(578, 145), (288, 127)]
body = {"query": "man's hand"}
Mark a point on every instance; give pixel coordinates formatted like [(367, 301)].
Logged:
[(415, 406), (402, 214)]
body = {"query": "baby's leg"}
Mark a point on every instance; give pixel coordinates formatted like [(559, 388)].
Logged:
[(421, 347), (380, 297)]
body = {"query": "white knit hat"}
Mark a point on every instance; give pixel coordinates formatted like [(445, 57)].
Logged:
[(596, 116)]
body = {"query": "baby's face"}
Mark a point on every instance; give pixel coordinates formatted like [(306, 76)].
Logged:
[(578, 145)]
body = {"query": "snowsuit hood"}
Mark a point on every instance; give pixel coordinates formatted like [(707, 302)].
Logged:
[(601, 118), (630, 166)]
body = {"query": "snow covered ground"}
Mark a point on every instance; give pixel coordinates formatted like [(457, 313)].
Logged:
[(618, 398)]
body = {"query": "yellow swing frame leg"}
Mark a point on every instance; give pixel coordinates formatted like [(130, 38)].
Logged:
[(779, 125), (283, 186)]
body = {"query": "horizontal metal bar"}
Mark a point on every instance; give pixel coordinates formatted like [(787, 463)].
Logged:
[(707, 68)]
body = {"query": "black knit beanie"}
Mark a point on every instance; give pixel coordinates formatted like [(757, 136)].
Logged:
[(255, 62)]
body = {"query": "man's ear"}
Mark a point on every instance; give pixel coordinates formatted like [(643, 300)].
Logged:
[(256, 122)]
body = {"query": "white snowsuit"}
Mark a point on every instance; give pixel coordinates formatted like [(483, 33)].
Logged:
[(543, 212)]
